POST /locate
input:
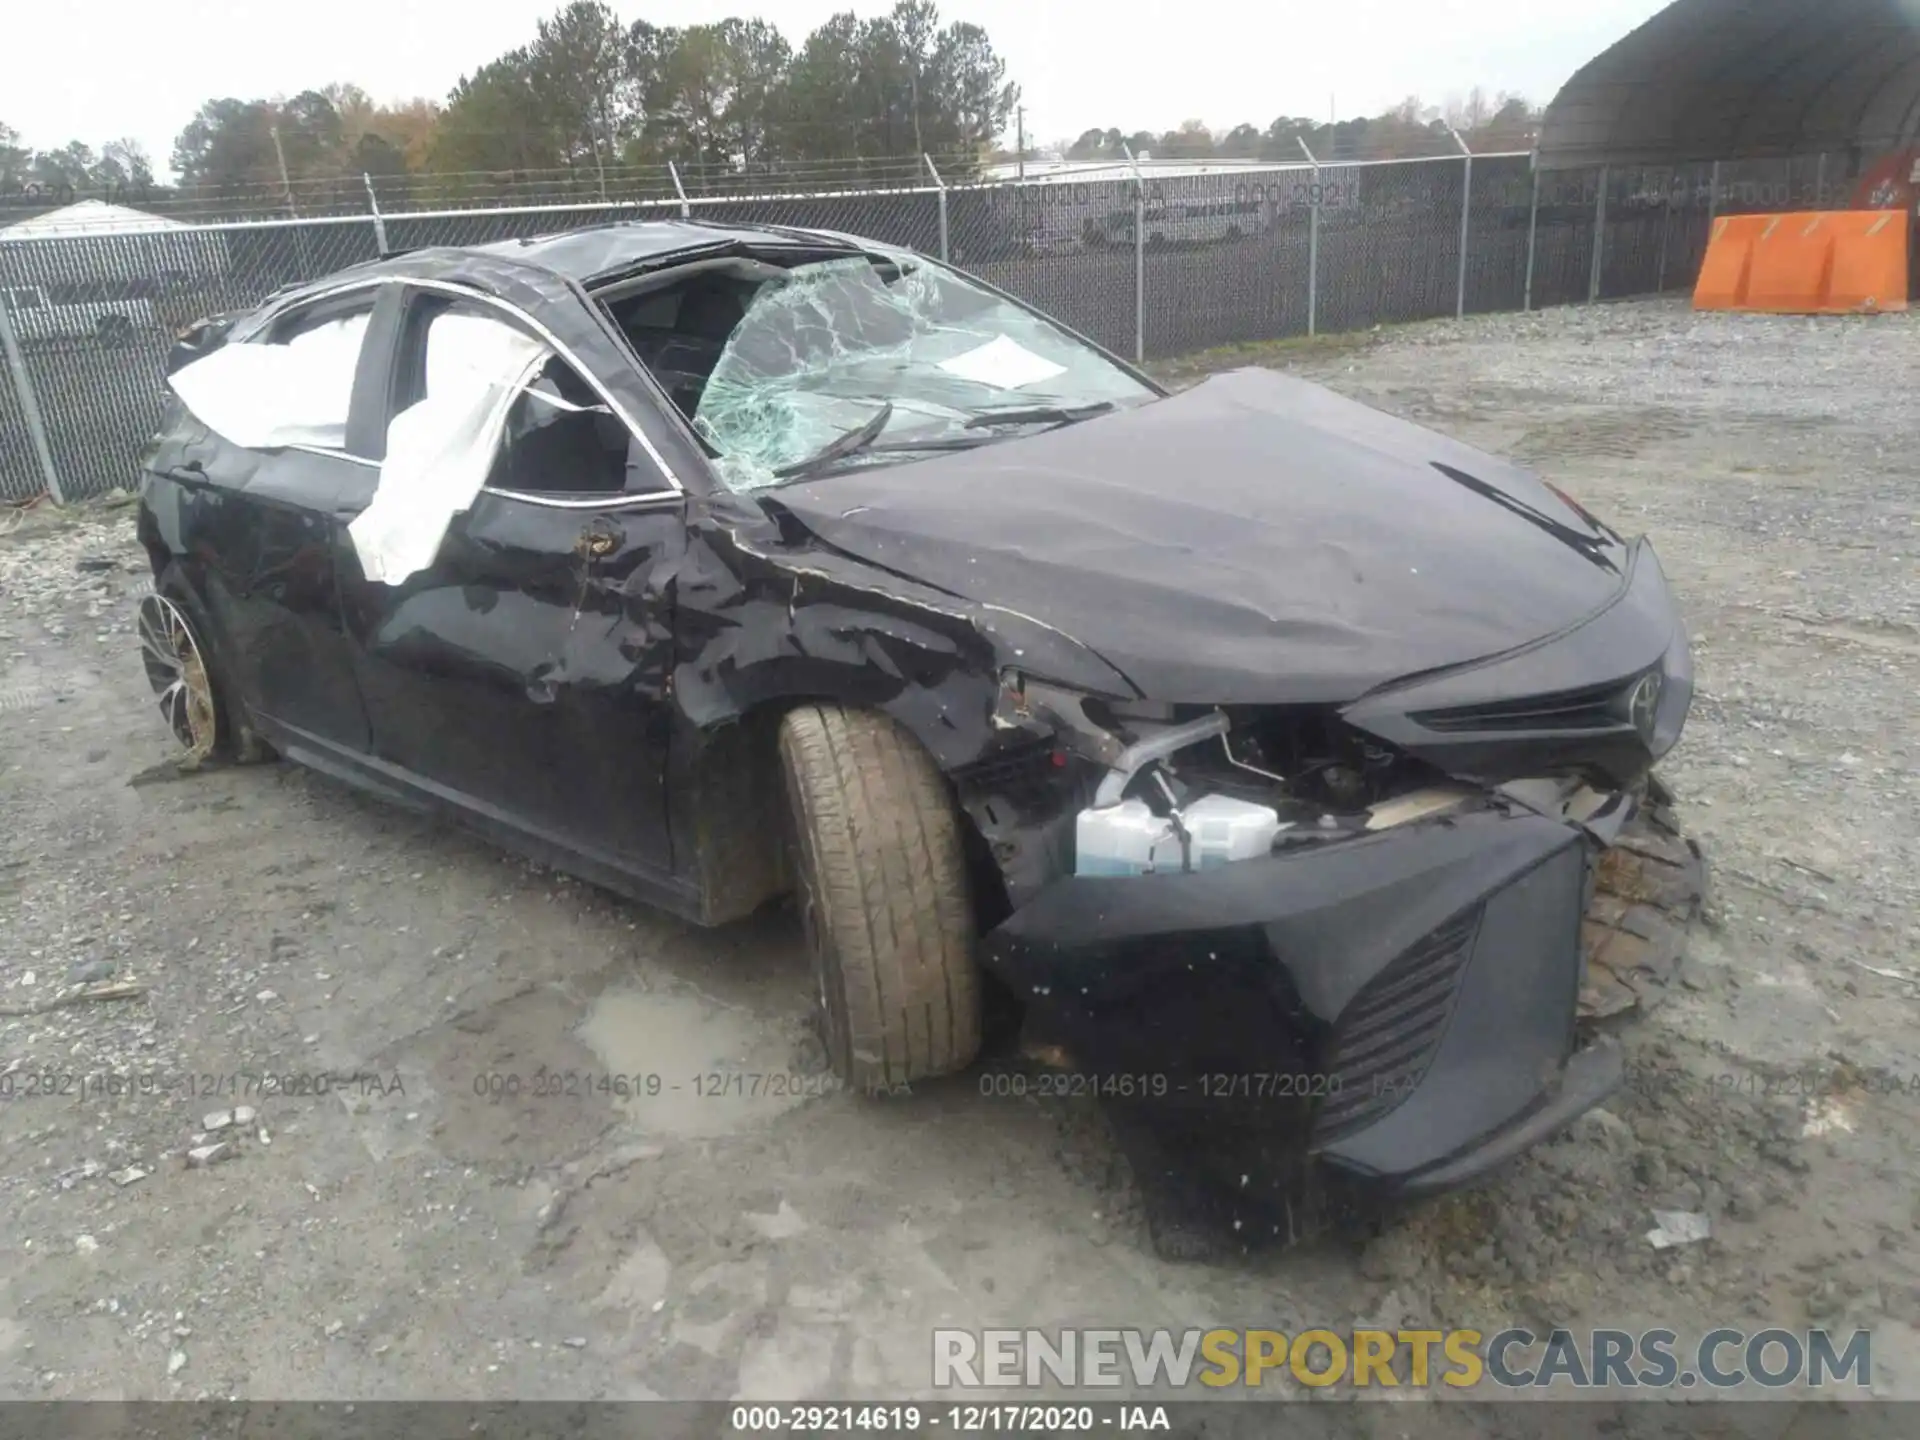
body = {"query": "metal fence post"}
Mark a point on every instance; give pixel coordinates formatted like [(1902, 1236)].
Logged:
[(1666, 222), (1533, 225), (686, 210), (1713, 195), (29, 406), (1466, 223), (379, 222), (1313, 242), (941, 186), (1139, 258), (1599, 237)]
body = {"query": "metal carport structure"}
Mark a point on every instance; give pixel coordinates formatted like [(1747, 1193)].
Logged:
[(1717, 107), (1708, 80)]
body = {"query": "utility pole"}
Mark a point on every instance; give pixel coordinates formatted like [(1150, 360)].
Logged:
[(1020, 171), (286, 181), (599, 163)]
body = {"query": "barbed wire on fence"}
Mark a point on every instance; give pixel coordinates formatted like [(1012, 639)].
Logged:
[(1147, 259)]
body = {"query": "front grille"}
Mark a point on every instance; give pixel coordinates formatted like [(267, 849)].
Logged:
[(1386, 1039), (1596, 707)]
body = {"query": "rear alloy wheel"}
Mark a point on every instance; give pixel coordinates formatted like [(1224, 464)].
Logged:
[(881, 883), (197, 702), (177, 670)]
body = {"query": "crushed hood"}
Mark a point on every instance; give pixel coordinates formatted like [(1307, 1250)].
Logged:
[(1254, 540)]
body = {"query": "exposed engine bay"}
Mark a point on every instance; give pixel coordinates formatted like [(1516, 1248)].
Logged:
[(1282, 780)]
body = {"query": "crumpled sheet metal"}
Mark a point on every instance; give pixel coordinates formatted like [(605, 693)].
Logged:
[(1650, 892)]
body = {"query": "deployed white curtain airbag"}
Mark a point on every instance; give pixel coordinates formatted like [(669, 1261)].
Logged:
[(263, 397), (440, 450)]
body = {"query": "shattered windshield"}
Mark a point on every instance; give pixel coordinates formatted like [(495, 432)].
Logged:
[(871, 360)]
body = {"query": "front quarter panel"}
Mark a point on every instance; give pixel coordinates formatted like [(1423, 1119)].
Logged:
[(767, 615), (767, 619)]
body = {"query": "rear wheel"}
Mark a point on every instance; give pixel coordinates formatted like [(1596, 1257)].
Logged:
[(882, 889), (194, 697)]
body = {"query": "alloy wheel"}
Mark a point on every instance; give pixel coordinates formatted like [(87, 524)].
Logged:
[(177, 671)]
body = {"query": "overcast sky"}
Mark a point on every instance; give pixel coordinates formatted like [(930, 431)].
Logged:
[(141, 67)]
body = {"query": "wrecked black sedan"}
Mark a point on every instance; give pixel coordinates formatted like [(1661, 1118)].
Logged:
[(1285, 767)]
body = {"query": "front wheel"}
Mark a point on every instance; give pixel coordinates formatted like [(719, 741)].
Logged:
[(883, 897)]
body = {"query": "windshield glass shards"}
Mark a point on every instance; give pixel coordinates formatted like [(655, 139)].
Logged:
[(822, 348)]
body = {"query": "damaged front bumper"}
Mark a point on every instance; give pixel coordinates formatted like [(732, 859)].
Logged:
[(1398, 1008)]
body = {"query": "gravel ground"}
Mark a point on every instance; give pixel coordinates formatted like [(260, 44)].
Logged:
[(408, 1235)]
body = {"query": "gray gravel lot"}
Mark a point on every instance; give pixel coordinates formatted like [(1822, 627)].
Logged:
[(409, 1235)]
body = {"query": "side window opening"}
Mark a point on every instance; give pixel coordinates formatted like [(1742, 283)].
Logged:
[(322, 347), (558, 435), (679, 330), (560, 438)]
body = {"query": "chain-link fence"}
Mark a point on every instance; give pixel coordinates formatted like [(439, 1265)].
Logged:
[(1149, 261)]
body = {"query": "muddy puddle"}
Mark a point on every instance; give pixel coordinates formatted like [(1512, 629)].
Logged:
[(693, 1066)]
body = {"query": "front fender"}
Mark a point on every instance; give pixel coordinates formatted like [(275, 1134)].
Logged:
[(764, 622), (761, 623)]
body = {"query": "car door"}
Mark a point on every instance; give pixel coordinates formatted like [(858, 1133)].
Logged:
[(264, 466), (522, 673)]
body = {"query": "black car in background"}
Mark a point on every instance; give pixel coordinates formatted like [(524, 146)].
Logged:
[(1275, 762)]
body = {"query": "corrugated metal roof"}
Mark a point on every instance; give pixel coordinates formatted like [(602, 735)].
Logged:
[(89, 217), (1036, 171), (1744, 79)]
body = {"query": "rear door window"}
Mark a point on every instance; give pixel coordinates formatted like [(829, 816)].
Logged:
[(290, 386)]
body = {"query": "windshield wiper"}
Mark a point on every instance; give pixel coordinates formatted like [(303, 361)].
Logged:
[(1040, 414), (905, 445), (853, 441)]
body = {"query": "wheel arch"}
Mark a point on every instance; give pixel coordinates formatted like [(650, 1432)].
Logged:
[(730, 810)]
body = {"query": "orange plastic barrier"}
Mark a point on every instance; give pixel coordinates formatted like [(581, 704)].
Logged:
[(1828, 262)]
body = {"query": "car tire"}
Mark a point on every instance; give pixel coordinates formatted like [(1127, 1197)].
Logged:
[(197, 697), (881, 882)]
